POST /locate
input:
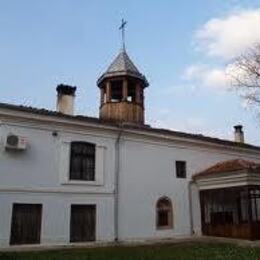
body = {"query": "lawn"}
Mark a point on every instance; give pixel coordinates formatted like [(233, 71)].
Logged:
[(167, 251)]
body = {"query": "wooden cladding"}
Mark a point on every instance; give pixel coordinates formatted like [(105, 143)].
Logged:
[(231, 212), (26, 224), (122, 100), (83, 223), (122, 112)]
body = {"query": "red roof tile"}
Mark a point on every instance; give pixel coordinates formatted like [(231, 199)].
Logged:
[(229, 166)]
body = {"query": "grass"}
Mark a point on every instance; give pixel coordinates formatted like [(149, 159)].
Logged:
[(152, 252)]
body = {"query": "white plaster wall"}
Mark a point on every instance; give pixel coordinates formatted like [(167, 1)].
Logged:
[(39, 165), (55, 227), (195, 210), (147, 172), (34, 176)]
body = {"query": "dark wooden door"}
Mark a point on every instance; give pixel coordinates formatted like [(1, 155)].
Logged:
[(26, 224), (83, 223)]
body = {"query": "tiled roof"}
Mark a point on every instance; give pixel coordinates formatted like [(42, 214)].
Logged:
[(121, 66), (122, 63), (229, 166), (144, 128), (46, 112)]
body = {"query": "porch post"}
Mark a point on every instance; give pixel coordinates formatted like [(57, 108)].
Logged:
[(247, 188)]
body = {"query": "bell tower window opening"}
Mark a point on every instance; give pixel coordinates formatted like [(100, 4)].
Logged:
[(105, 99), (116, 91), (142, 96), (131, 95), (103, 95)]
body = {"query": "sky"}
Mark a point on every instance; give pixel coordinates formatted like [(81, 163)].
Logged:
[(183, 47)]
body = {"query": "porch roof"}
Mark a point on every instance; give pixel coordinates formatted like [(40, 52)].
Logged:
[(229, 166)]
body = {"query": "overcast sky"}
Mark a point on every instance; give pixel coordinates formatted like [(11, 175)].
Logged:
[(183, 48)]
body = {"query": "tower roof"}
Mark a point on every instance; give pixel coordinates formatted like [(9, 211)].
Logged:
[(122, 66)]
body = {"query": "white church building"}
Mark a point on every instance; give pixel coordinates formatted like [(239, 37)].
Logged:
[(68, 178)]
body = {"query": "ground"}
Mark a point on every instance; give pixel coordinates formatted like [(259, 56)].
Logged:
[(191, 250)]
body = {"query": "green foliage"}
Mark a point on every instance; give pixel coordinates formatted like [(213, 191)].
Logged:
[(152, 252)]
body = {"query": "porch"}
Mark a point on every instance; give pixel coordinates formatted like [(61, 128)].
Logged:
[(229, 195), (231, 212)]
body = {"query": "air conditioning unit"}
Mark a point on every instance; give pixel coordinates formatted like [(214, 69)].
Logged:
[(15, 142)]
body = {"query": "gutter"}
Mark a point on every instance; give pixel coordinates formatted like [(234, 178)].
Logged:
[(117, 175)]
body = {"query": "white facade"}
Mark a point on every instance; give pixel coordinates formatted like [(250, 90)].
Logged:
[(40, 175), (148, 173), (134, 168)]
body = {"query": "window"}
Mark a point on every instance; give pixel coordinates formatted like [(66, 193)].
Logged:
[(164, 217), (82, 161), (180, 169), (255, 204), (116, 91), (83, 223), (26, 224), (131, 95)]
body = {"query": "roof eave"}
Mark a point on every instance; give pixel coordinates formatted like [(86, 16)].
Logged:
[(148, 131), (120, 74)]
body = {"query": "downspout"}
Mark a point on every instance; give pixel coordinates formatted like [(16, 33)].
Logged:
[(190, 208), (117, 173)]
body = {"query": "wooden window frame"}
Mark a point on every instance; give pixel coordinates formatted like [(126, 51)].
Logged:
[(181, 169), (73, 237), (15, 214), (168, 209), (83, 175)]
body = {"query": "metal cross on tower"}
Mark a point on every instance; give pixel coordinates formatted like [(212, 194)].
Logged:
[(122, 28)]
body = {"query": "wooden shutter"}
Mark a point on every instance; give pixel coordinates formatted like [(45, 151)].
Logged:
[(26, 224), (83, 223)]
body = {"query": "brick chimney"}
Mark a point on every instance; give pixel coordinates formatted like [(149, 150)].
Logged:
[(239, 134), (65, 99)]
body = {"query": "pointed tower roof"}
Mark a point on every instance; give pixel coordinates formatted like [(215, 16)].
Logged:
[(122, 66)]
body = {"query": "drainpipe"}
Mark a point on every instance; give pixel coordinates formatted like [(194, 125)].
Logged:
[(190, 207), (117, 173)]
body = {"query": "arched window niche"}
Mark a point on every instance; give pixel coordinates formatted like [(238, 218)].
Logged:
[(164, 214)]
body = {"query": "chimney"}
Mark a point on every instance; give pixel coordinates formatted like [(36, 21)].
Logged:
[(65, 99), (239, 134)]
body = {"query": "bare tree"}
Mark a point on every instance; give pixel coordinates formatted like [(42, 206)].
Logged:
[(245, 75)]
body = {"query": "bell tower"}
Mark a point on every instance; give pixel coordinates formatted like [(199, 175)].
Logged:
[(122, 91)]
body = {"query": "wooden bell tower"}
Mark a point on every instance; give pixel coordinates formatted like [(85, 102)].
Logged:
[(122, 91)]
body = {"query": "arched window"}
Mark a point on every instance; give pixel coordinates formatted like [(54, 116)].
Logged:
[(164, 216)]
